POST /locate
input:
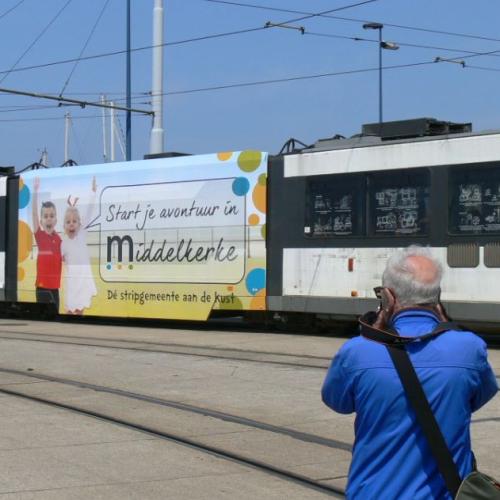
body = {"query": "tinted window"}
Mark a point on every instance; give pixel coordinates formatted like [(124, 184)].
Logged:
[(399, 202), (334, 206), (474, 200)]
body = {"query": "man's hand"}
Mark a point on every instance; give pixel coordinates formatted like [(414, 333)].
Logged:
[(387, 309), (381, 322)]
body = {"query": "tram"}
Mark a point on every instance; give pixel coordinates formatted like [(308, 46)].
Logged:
[(305, 233)]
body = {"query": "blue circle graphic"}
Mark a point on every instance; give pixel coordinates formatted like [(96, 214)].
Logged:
[(256, 280), (24, 197), (241, 186)]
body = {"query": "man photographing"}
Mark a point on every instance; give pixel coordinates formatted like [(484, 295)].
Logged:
[(391, 456)]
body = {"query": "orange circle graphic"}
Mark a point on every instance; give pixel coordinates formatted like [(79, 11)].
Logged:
[(24, 241), (253, 219), (259, 197), (224, 156)]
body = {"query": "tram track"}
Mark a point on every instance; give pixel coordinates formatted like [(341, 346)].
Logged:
[(233, 354), (177, 437), (207, 412)]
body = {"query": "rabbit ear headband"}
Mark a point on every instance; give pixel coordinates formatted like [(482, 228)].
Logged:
[(72, 204)]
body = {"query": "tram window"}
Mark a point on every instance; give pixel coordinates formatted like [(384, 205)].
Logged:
[(334, 206), (474, 200), (399, 203)]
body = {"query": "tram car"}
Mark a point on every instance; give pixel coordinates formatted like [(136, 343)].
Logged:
[(300, 235), (423, 182)]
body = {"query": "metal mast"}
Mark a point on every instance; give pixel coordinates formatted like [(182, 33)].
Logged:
[(112, 133), (157, 132), (104, 143), (129, 100)]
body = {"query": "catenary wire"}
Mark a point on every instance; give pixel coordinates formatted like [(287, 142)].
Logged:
[(84, 47), (179, 42), (402, 44), (11, 9), (283, 80), (354, 20), (7, 73), (302, 77), (322, 14)]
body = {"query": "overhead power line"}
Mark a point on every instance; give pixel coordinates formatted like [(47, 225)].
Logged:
[(220, 35), (313, 76), (296, 78), (31, 45), (11, 9), (483, 68), (84, 47), (275, 81), (402, 44), (179, 42), (354, 20), (51, 118)]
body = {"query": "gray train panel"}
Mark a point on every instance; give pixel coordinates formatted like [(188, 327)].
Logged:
[(12, 214), (3, 234)]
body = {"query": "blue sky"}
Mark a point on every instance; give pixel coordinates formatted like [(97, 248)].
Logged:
[(259, 116)]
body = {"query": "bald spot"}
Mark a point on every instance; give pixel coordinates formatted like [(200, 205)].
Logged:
[(422, 268)]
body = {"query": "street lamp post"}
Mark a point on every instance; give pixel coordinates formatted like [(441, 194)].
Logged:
[(381, 45)]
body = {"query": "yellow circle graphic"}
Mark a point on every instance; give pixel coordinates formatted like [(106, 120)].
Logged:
[(20, 274), (224, 156), (263, 231), (259, 301), (253, 219), (259, 197), (231, 302), (24, 241), (249, 160), (21, 183), (262, 179)]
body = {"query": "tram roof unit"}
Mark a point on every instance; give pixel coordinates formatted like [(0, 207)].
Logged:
[(397, 132), (367, 153)]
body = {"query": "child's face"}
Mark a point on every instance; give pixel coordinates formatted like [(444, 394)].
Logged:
[(71, 224), (48, 219)]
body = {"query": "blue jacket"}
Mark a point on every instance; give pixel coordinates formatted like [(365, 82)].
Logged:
[(391, 457)]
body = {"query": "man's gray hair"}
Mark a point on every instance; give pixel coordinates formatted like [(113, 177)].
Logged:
[(400, 276)]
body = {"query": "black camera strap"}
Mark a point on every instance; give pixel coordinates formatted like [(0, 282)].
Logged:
[(425, 417), (417, 397)]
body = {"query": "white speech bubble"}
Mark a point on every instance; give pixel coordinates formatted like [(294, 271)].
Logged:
[(178, 232)]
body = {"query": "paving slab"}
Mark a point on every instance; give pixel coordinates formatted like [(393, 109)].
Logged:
[(84, 458)]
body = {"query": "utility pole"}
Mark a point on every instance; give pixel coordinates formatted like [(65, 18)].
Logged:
[(112, 134), (129, 100), (157, 133), (104, 144)]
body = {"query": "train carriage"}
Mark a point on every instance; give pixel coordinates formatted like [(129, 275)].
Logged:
[(338, 209)]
